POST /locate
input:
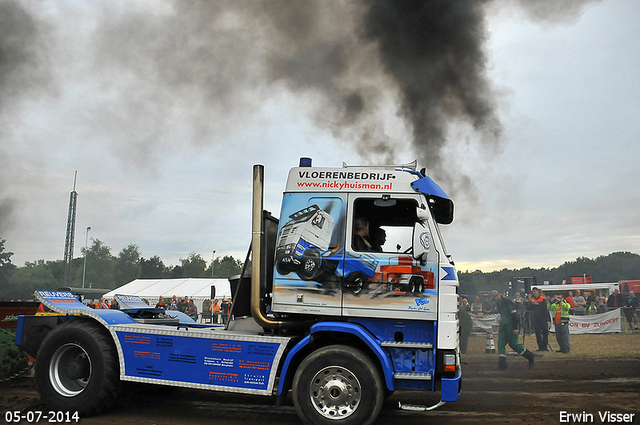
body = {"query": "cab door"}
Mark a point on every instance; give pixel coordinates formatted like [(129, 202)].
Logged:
[(309, 258), (381, 276)]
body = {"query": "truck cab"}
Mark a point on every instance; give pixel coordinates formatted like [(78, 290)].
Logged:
[(323, 268)]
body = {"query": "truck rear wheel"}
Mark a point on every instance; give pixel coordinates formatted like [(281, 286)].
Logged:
[(417, 284), (356, 282), (311, 263), (338, 385), (77, 369)]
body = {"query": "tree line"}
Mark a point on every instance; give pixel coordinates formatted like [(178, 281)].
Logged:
[(605, 268), (104, 270)]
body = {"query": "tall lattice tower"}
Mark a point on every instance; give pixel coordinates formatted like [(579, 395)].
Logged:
[(71, 231)]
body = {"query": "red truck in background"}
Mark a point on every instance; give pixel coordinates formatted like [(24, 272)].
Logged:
[(577, 280), (629, 285)]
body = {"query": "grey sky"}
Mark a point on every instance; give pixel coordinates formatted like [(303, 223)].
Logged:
[(163, 109)]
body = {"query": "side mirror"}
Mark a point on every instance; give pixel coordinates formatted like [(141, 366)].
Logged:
[(421, 241)]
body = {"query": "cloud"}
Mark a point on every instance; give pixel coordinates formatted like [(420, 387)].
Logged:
[(23, 74), (553, 12), (132, 89)]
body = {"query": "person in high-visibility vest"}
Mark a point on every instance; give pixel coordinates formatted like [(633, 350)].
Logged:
[(559, 308), (508, 333)]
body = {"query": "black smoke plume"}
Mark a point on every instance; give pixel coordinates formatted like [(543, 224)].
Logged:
[(23, 73), (212, 65)]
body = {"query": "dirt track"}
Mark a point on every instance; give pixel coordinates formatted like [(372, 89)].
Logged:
[(519, 395)]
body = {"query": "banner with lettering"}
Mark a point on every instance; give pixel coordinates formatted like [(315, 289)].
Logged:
[(486, 323), (597, 323)]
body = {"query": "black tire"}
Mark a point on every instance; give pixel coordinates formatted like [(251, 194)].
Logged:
[(338, 385), (77, 369), (282, 268), (356, 282), (311, 264), (417, 284)]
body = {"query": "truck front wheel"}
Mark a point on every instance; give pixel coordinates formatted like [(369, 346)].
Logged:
[(77, 369), (338, 385), (282, 267)]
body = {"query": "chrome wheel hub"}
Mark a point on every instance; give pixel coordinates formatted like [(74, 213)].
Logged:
[(335, 392), (70, 370)]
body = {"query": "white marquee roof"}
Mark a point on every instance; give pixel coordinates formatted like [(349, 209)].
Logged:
[(152, 289)]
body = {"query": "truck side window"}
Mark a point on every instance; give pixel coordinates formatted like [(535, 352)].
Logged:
[(385, 227)]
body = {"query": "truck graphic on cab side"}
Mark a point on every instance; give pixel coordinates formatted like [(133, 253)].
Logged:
[(302, 240), (303, 247), (405, 277)]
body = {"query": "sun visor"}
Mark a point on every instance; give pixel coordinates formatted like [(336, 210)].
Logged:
[(440, 204)]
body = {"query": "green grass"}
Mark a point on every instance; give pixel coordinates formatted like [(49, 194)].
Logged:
[(592, 346), (12, 360)]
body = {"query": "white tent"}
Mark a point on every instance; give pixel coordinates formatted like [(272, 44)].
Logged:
[(600, 289), (198, 289)]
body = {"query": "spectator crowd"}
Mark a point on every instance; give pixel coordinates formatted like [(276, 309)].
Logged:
[(217, 309), (533, 308)]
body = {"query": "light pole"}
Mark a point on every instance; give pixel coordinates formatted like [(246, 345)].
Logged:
[(84, 269), (213, 264)]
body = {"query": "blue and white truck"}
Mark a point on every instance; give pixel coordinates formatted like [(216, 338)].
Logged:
[(334, 336)]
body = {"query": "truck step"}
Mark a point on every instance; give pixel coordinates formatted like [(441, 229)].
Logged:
[(402, 344), (419, 408), (412, 376)]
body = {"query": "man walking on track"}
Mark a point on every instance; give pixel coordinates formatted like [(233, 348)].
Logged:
[(508, 333)]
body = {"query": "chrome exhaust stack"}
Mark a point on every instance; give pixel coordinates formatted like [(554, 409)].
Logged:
[(258, 256)]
